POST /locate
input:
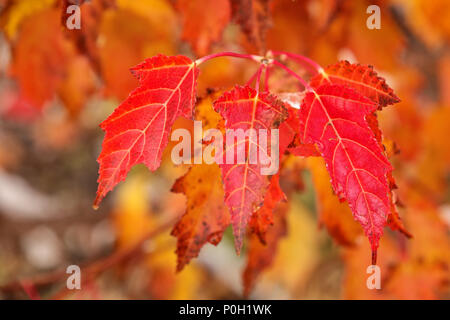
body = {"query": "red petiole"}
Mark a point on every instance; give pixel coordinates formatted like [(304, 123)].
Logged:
[(265, 64)]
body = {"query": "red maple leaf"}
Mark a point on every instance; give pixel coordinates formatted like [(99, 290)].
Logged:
[(366, 81), (245, 108), (138, 130), (334, 118)]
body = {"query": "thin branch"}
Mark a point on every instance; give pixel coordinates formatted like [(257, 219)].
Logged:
[(258, 77), (310, 64), (292, 73), (254, 76), (90, 269), (229, 54), (266, 78)]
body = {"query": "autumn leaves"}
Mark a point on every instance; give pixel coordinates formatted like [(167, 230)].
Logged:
[(138, 130), (334, 118)]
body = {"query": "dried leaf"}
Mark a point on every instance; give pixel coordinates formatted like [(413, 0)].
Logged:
[(206, 216)]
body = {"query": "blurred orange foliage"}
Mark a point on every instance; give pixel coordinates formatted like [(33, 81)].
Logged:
[(58, 84)]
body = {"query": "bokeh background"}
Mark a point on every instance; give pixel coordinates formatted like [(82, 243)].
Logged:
[(57, 85)]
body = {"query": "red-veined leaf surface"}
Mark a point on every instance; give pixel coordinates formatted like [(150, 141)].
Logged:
[(365, 81), (262, 219), (138, 130), (334, 117), (206, 216), (41, 55), (245, 108), (360, 77)]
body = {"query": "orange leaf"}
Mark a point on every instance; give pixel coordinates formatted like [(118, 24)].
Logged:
[(206, 216), (127, 37), (78, 85), (40, 57), (204, 22)]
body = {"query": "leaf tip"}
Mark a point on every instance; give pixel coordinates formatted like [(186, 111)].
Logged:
[(180, 266), (97, 201)]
